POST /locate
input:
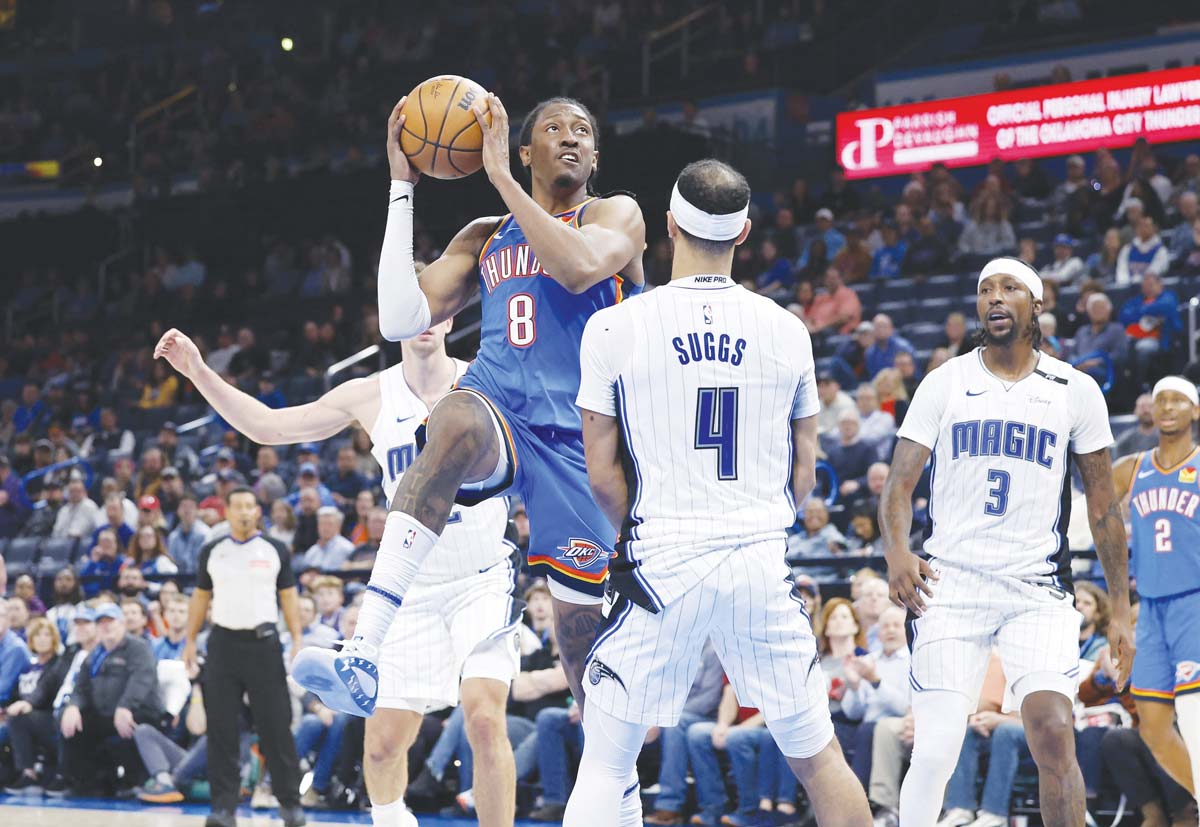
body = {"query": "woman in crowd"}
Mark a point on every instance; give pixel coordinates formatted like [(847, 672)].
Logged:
[(161, 390), (283, 523), (36, 690), (149, 553)]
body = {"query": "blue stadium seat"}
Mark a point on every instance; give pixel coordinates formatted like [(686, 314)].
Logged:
[(59, 550), (901, 312), (924, 335), (940, 287), (21, 555), (868, 293), (897, 290)]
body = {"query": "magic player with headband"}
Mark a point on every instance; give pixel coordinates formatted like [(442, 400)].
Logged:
[(1002, 424), (1164, 512), (699, 405), (560, 255)]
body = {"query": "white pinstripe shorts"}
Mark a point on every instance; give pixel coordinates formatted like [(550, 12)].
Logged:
[(446, 631), (642, 665), (1034, 628)]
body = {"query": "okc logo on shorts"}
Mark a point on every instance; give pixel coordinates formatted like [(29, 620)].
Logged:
[(1186, 671), (410, 538), (600, 670), (581, 552)]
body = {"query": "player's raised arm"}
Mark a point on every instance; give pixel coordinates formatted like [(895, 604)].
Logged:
[(408, 306), (575, 257), (357, 399)]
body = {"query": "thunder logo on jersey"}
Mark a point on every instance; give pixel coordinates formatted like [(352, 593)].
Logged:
[(1167, 501), (1001, 438)]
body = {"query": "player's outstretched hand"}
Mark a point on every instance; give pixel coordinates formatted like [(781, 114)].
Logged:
[(401, 169), (1121, 650), (180, 351), (908, 577), (495, 136)]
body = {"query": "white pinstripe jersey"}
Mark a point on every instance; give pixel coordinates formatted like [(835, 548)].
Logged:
[(705, 378), (1000, 484), (474, 537)]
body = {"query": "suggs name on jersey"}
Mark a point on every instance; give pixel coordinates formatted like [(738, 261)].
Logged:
[(709, 347)]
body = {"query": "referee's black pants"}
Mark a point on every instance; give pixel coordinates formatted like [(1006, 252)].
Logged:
[(240, 662)]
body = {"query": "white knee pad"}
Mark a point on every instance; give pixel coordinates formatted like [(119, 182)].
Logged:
[(610, 744), (610, 751), (803, 735)]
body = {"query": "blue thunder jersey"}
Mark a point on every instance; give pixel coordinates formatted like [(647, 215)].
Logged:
[(528, 360), (1163, 505)]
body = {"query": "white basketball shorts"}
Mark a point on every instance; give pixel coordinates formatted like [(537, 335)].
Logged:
[(447, 632), (642, 665), (1034, 628)]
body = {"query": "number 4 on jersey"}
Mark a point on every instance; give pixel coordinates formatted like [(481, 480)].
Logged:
[(716, 427)]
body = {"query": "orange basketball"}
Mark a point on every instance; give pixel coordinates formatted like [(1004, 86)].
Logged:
[(441, 136)]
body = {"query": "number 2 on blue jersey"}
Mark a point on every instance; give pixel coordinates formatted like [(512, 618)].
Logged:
[(1001, 480), (716, 427)]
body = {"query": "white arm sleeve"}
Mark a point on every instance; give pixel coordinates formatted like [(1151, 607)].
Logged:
[(403, 308)]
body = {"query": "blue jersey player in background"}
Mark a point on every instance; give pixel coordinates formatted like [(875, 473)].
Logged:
[(560, 255), (1164, 512)]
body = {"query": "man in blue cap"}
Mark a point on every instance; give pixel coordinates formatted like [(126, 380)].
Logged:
[(1066, 266), (117, 689)]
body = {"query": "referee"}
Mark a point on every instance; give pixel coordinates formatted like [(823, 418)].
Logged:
[(246, 578)]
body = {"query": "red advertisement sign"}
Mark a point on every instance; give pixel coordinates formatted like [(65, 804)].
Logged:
[(1026, 123)]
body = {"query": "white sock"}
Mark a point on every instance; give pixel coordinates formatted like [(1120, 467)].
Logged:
[(610, 751), (395, 814), (1187, 711), (164, 777), (940, 724), (404, 546), (631, 804)]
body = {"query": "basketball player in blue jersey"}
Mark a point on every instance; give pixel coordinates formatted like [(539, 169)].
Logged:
[(1164, 512), (511, 425)]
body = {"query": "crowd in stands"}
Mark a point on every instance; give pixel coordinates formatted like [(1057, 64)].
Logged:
[(260, 113), (106, 497)]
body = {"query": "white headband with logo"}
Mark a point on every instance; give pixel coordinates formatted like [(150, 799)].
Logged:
[(1016, 268), (709, 226), (1177, 383)]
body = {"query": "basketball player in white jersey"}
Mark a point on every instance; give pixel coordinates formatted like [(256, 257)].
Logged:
[(1002, 423), (458, 622), (699, 408)]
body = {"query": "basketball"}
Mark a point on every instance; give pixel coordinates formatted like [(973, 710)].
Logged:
[(441, 136)]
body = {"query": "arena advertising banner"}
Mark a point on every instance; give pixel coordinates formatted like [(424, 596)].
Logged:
[(1026, 123)]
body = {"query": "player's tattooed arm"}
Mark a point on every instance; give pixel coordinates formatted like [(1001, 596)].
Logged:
[(1112, 547), (908, 575), (606, 472)]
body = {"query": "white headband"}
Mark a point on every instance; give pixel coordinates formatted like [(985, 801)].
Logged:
[(1177, 383), (1015, 268), (707, 225)]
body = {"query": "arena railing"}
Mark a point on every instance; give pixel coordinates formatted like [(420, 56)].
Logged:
[(58, 466)]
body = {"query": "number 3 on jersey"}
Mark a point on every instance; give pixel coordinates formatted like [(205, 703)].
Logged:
[(522, 327)]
